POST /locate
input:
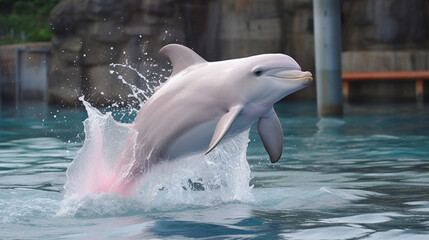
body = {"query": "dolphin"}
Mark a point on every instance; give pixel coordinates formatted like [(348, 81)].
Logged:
[(203, 103)]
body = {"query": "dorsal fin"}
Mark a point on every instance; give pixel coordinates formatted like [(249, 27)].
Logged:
[(181, 57)]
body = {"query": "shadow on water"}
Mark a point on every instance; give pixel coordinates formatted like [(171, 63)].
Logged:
[(330, 127), (196, 229)]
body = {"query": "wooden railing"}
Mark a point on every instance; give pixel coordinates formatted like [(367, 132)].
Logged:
[(417, 76)]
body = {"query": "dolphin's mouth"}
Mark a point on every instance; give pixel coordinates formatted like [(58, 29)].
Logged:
[(294, 75)]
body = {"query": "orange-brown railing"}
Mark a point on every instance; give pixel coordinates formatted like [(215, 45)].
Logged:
[(417, 76)]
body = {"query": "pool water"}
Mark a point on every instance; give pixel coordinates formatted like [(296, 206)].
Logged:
[(364, 176)]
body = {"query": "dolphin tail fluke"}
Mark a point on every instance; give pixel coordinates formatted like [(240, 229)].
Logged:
[(271, 133), (223, 125)]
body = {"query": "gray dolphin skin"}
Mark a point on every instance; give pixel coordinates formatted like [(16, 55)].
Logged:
[(204, 102)]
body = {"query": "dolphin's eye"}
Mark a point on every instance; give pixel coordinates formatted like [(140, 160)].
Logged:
[(258, 72)]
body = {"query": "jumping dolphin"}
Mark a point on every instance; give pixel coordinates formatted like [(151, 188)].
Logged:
[(204, 102)]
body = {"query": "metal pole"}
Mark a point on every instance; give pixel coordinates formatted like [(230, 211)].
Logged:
[(45, 68), (327, 43), (17, 76)]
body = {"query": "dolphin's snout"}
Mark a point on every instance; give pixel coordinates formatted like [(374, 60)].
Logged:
[(308, 77), (307, 74), (295, 75)]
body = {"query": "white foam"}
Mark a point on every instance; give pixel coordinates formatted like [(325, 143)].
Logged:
[(420, 210), (219, 177), (18, 206), (417, 203), (195, 181)]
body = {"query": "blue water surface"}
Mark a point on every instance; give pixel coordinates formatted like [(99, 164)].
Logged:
[(363, 176)]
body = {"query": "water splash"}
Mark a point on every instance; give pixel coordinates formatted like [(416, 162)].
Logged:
[(150, 80), (199, 180), (203, 180), (141, 95), (93, 170)]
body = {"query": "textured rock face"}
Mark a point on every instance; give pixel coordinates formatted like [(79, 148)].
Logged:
[(385, 25), (91, 34)]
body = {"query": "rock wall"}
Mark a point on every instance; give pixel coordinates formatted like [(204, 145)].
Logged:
[(89, 35), (385, 25)]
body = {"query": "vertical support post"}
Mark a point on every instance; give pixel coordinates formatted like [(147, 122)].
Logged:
[(17, 76), (45, 65), (327, 41), (419, 90), (1, 98)]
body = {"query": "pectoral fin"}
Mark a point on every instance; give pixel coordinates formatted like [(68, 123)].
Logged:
[(270, 131), (223, 125)]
